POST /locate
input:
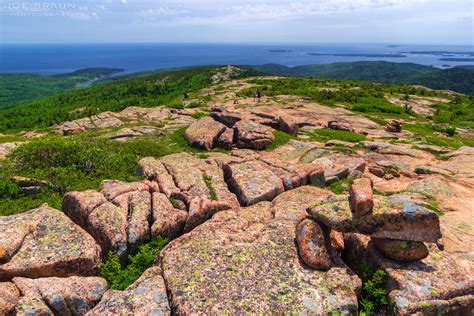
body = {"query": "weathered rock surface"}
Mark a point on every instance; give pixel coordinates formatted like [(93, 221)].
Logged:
[(393, 218), (43, 243), (245, 261), (59, 296), (79, 205), (122, 216), (108, 225), (292, 205), (6, 148), (201, 185), (313, 243), (361, 199), (9, 296), (434, 285), (390, 149), (204, 133), (147, 296), (252, 182), (341, 126), (288, 124), (401, 250), (152, 169), (253, 135), (225, 117), (168, 222), (226, 139)]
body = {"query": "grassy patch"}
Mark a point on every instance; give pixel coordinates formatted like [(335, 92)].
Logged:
[(120, 277), (427, 131), (208, 180), (11, 139), (199, 115), (340, 186), (281, 139), (324, 135)]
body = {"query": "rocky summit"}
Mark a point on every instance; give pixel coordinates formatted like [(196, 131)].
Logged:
[(285, 204)]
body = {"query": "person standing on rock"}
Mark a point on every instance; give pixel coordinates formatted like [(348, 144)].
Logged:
[(254, 96), (259, 94)]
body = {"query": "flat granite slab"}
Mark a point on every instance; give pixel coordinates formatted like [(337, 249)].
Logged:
[(245, 261), (44, 243), (392, 218)]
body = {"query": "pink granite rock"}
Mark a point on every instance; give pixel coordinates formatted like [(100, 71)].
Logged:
[(43, 243), (361, 199), (204, 133)]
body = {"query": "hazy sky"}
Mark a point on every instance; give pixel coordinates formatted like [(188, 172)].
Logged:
[(388, 21)]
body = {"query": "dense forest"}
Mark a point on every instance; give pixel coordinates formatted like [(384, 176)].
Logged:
[(16, 89), (458, 79)]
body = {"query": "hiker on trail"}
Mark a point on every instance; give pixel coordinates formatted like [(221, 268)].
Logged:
[(254, 97), (259, 94)]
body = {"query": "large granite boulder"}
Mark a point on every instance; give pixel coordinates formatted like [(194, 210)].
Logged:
[(44, 242), (436, 285), (59, 296), (244, 261), (225, 117), (392, 217), (314, 245), (204, 133), (253, 135), (147, 296), (252, 181), (401, 250)]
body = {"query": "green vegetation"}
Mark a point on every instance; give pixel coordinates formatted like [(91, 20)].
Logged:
[(16, 89), (162, 88), (208, 180), (459, 79), (358, 96), (77, 163), (373, 299), (324, 135), (340, 186), (281, 139), (199, 115), (119, 276), (429, 133)]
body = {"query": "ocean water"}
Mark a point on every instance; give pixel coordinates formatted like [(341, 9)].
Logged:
[(62, 58)]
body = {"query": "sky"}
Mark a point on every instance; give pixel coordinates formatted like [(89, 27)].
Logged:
[(261, 21)]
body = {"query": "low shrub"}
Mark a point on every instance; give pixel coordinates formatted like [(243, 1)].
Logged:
[(119, 276), (373, 299)]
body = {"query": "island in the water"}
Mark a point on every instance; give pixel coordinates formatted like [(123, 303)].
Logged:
[(456, 59), (279, 51), (361, 55)]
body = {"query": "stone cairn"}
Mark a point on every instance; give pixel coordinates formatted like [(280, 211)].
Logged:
[(394, 126)]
